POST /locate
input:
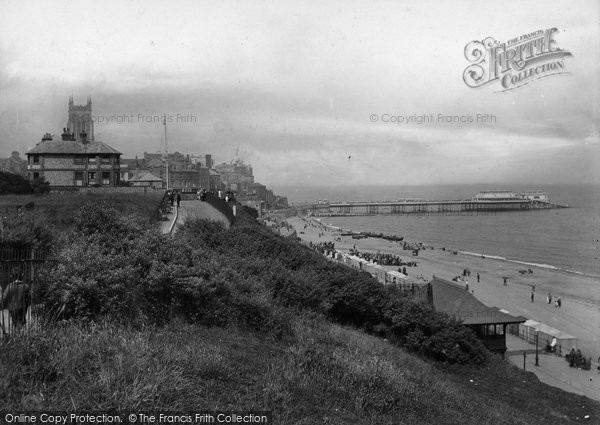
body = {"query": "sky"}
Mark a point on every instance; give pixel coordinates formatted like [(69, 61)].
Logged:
[(305, 91)]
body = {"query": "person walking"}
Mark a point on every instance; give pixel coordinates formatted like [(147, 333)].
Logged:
[(178, 199), (478, 277), (549, 298), (532, 296), (171, 197)]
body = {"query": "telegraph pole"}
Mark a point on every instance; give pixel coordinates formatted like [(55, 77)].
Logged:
[(166, 149)]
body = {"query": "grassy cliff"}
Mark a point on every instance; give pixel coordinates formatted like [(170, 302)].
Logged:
[(244, 319)]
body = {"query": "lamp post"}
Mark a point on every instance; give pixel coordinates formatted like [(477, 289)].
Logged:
[(537, 335)]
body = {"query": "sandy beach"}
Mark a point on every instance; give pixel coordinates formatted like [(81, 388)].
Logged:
[(579, 314)]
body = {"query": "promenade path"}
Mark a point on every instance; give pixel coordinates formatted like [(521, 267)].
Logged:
[(554, 370), (193, 208)]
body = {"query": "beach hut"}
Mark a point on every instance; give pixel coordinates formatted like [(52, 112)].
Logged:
[(527, 330), (488, 323), (566, 342), (394, 276), (546, 333)]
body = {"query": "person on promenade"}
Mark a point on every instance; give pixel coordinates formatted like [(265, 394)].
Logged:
[(478, 277), (171, 197), (504, 279), (549, 298), (178, 199), (558, 302), (531, 295)]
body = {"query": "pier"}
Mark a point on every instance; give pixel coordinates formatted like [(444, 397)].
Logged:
[(489, 202)]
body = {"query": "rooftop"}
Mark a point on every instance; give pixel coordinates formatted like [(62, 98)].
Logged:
[(71, 147), (457, 302)]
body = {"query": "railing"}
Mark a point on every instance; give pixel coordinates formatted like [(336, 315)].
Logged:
[(163, 208)]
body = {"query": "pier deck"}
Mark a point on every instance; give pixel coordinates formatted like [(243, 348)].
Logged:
[(428, 207)]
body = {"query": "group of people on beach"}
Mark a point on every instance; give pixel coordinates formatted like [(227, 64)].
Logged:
[(557, 302), (383, 259)]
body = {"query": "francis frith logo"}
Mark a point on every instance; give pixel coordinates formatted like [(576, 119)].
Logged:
[(514, 63)]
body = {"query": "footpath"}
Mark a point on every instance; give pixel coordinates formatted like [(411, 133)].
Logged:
[(554, 370), (193, 208)]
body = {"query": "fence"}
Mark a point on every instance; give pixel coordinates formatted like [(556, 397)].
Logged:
[(163, 208), (22, 272)]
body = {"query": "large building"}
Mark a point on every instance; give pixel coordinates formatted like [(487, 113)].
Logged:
[(14, 164), (76, 159), (236, 176), (185, 171)]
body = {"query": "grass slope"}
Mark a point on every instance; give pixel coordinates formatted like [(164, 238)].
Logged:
[(326, 374), (227, 353), (59, 209)]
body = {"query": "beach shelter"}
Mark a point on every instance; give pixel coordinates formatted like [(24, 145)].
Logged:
[(488, 323)]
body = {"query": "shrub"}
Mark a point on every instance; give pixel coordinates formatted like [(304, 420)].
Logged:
[(24, 230)]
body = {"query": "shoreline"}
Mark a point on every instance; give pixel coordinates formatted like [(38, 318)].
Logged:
[(477, 254), (580, 294)]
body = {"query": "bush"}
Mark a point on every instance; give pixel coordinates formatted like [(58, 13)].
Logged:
[(299, 278), (24, 230)]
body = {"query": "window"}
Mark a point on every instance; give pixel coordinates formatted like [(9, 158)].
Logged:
[(78, 160), (91, 160), (105, 160), (105, 178), (91, 178), (36, 159), (78, 178), (36, 176)]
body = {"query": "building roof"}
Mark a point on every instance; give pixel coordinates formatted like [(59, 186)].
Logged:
[(145, 176), (457, 302), (71, 147)]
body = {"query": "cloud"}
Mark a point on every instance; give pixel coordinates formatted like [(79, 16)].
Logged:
[(293, 87)]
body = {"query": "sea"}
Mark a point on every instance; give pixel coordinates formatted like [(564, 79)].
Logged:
[(565, 239)]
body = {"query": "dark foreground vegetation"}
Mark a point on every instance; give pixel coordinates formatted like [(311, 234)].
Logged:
[(244, 319), (15, 184)]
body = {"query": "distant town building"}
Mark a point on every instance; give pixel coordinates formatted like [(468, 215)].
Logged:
[(236, 176), (145, 178), (76, 159), (14, 164), (185, 171)]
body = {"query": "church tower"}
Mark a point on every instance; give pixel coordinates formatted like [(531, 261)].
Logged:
[(80, 123)]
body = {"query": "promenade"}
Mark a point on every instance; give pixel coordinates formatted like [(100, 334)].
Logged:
[(192, 208)]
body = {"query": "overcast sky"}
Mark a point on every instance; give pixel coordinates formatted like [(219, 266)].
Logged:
[(293, 85)]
